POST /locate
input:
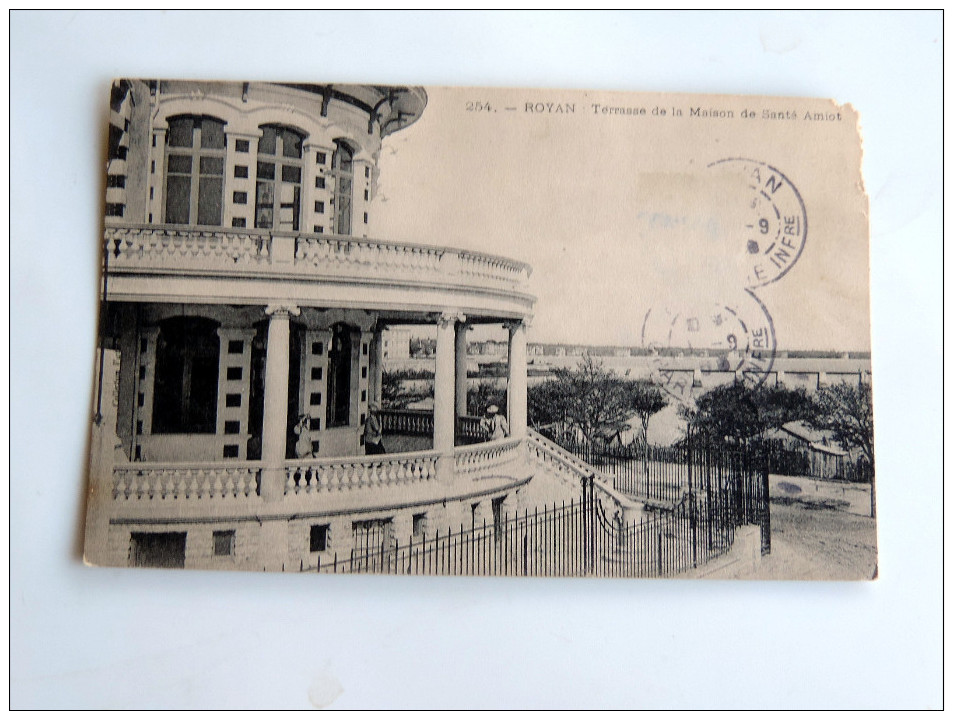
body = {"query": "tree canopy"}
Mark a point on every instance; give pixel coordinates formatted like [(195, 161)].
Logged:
[(738, 412), (593, 401), (847, 411), (646, 399)]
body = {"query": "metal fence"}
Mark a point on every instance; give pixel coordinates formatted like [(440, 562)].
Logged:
[(577, 538), (719, 482)]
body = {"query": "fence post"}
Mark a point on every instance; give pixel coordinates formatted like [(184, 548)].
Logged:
[(691, 505), (765, 513), (708, 512)]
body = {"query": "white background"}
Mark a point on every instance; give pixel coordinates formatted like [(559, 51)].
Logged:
[(137, 638)]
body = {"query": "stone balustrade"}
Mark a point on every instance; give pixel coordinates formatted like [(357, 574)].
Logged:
[(317, 476), (382, 257), (470, 429), (241, 480), (204, 480), (557, 460), (198, 249), (407, 422), (475, 458), (151, 246), (420, 422)]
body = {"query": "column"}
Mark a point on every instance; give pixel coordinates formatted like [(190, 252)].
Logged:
[(275, 424), (460, 353), (377, 367), (516, 388), (444, 393)]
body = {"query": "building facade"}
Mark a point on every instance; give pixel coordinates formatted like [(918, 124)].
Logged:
[(246, 306)]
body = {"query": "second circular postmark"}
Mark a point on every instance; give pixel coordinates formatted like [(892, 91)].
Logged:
[(733, 339)]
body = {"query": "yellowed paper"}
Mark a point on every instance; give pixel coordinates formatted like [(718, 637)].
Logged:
[(409, 330)]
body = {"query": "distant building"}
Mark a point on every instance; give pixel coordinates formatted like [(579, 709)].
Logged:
[(395, 344), (825, 459)]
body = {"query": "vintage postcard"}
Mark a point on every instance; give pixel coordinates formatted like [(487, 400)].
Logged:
[(457, 331)]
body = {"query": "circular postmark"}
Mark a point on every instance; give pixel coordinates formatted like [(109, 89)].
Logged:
[(699, 345), (771, 220)]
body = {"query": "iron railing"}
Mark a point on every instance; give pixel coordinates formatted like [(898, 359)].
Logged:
[(723, 490)]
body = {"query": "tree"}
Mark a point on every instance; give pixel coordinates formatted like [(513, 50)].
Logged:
[(587, 399), (847, 411), (738, 412), (596, 403), (484, 395), (394, 394), (646, 399), (547, 404)]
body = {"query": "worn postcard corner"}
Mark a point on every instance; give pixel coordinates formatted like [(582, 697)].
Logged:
[(452, 331)]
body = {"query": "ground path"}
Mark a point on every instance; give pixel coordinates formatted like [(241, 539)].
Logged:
[(811, 542)]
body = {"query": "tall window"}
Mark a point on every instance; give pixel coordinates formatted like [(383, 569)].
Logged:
[(195, 168), (339, 377), (278, 195), (342, 167), (186, 379)]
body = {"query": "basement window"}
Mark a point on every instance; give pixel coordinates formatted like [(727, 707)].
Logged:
[(223, 543), (319, 538)]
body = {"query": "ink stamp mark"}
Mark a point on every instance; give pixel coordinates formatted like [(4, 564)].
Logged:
[(720, 342), (773, 220)]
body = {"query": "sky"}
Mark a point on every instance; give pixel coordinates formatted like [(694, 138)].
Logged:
[(620, 215)]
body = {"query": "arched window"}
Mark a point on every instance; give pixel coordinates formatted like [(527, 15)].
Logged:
[(339, 377), (342, 168), (186, 377), (195, 169), (278, 194)]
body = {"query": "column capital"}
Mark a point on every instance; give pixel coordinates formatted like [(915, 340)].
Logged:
[(448, 318), (282, 310), (514, 326)]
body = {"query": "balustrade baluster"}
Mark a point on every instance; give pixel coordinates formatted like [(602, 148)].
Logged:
[(188, 483), (202, 484), (216, 484), (138, 485)]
